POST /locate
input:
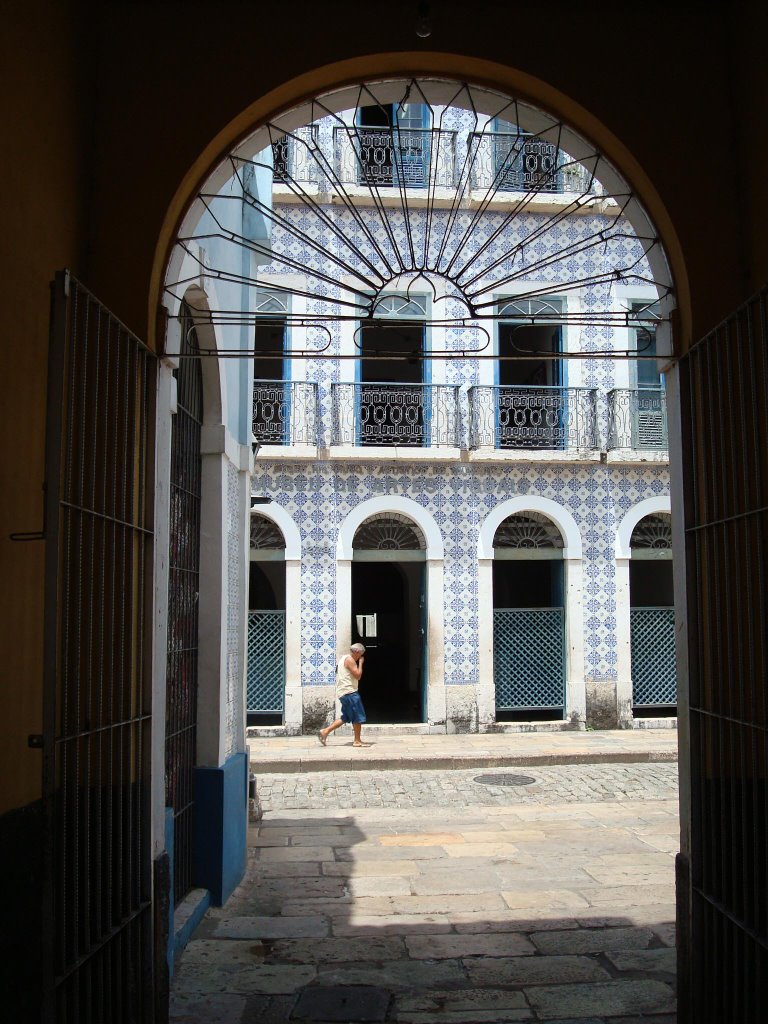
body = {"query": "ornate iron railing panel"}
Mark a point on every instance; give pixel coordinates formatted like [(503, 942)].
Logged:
[(637, 419), (408, 415), (266, 662), (284, 412), (532, 417), (292, 157), (654, 677), (524, 163), (392, 157), (529, 658)]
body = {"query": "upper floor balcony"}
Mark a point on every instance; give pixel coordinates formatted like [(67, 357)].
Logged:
[(538, 418), (637, 420), (505, 162), (284, 413), (489, 422), (395, 157), (395, 415)]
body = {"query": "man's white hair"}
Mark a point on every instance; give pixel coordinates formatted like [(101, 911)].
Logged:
[(358, 647)]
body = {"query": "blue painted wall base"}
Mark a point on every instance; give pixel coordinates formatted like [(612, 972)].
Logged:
[(220, 821)]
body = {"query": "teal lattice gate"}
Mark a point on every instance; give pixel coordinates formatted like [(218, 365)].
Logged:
[(529, 658), (654, 679), (266, 663)]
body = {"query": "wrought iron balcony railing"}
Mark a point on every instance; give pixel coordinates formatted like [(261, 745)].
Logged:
[(550, 418), (291, 156), (522, 163), (407, 415), (284, 412), (637, 419), (393, 157)]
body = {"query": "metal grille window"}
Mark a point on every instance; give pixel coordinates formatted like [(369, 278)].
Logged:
[(389, 531), (266, 662), (183, 591), (97, 918), (652, 614)]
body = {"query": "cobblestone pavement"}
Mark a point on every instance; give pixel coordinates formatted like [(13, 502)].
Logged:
[(455, 903), (551, 785)]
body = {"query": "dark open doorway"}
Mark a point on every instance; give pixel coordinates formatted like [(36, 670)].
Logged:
[(543, 338), (393, 685)]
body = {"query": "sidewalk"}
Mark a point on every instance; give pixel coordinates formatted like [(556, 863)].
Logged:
[(393, 749)]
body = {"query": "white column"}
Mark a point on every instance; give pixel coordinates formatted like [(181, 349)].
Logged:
[(436, 706), (624, 662), (293, 706), (575, 687), (486, 690), (166, 405), (343, 605)]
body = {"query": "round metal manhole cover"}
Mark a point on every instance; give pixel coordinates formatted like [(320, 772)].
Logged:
[(505, 780)]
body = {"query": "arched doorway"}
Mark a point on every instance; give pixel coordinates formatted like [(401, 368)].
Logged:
[(265, 685), (389, 615), (529, 627), (652, 617)]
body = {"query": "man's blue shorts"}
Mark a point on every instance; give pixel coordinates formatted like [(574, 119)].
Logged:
[(352, 709)]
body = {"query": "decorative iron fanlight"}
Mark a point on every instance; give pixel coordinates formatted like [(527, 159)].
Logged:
[(265, 535), (654, 531), (527, 530), (389, 531)]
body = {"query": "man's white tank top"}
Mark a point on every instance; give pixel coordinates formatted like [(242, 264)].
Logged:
[(345, 681)]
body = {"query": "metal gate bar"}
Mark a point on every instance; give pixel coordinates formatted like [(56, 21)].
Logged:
[(652, 639), (529, 658), (183, 590), (266, 662), (99, 478), (724, 399)]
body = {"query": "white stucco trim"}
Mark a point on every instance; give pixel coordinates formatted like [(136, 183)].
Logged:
[(290, 531), (389, 503), (575, 686), (647, 507), (559, 515)]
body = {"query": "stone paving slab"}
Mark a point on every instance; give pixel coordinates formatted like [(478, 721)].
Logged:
[(547, 936), (389, 748)]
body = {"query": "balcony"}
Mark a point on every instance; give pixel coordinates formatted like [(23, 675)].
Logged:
[(284, 413), (520, 163), (394, 157), (637, 419), (539, 418), (292, 156), (395, 415)]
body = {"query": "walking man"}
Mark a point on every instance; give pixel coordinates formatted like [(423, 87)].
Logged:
[(348, 673)]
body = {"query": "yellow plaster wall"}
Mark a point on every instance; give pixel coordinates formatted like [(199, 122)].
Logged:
[(42, 175)]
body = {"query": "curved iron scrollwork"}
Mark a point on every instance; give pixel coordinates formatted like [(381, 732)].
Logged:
[(389, 531), (284, 412), (265, 535), (409, 415), (540, 418), (654, 531), (637, 419), (528, 530)]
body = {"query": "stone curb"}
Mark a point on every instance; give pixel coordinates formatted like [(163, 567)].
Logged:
[(345, 762)]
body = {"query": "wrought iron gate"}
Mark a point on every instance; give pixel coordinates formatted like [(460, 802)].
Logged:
[(529, 658), (266, 662), (183, 591), (654, 676), (724, 416), (99, 546)]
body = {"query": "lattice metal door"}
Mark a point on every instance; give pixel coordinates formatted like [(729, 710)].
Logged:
[(654, 677), (96, 741), (183, 591), (529, 658), (266, 662)]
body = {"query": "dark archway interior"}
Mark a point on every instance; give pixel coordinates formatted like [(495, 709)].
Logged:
[(650, 583), (266, 586), (395, 667), (527, 584)]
